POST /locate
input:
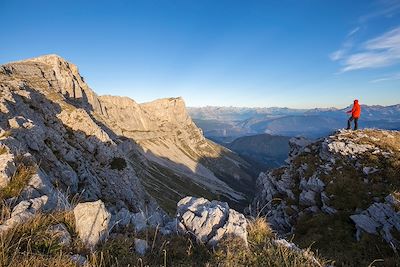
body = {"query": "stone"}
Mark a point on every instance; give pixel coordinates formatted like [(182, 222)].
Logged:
[(365, 223), (123, 217), (61, 232), (7, 167), (139, 221), (92, 222), (211, 221), (380, 218), (141, 246), (23, 211), (80, 260), (307, 198)]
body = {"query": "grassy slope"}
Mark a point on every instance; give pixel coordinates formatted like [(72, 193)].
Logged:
[(334, 235)]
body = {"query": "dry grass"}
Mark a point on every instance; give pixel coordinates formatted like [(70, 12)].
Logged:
[(32, 244), (18, 181), (178, 250)]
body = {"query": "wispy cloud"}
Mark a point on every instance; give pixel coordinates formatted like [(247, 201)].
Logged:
[(353, 31), (385, 8), (346, 47), (378, 52), (392, 77)]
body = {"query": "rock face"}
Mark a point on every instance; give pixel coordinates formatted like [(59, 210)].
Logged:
[(339, 179), (211, 221), (167, 138), (92, 222), (110, 147)]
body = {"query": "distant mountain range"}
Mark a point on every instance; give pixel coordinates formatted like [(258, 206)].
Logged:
[(224, 124)]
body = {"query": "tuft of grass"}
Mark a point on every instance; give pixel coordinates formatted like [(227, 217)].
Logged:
[(18, 181), (259, 231), (32, 242)]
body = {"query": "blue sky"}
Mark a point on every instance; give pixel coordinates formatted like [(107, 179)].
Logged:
[(211, 52)]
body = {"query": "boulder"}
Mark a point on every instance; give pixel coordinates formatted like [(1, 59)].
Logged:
[(92, 222), (210, 221)]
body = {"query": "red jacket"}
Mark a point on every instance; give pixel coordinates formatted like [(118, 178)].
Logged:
[(356, 110)]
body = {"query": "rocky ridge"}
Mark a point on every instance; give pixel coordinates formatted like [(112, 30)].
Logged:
[(348, 180)]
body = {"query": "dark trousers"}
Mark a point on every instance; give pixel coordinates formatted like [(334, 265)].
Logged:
[(355, 123)]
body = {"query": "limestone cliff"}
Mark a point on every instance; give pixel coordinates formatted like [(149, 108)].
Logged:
[(106, 147)]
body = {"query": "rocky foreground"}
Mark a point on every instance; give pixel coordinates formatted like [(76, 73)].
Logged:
[(340, 195)]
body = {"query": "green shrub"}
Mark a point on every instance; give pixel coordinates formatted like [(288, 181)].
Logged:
[(118, 164)]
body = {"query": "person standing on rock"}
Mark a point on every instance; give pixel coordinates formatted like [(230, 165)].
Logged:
[(355, 115)]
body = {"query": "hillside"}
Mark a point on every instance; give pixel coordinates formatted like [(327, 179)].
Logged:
[(48, 107), (339, 195), (264, 151)]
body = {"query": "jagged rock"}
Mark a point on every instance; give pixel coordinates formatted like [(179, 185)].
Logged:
[(92, 222), (210, 221), (23, 211), (379, 218), (365, 223), (297, 145), (313, 183), (141, 246), (7, 167), (61, 232), (307, 198)]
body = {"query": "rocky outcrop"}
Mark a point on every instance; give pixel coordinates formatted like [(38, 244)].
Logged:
[(210, 221), (340, 176), (92, 222), (381, 218), (47, 115)]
